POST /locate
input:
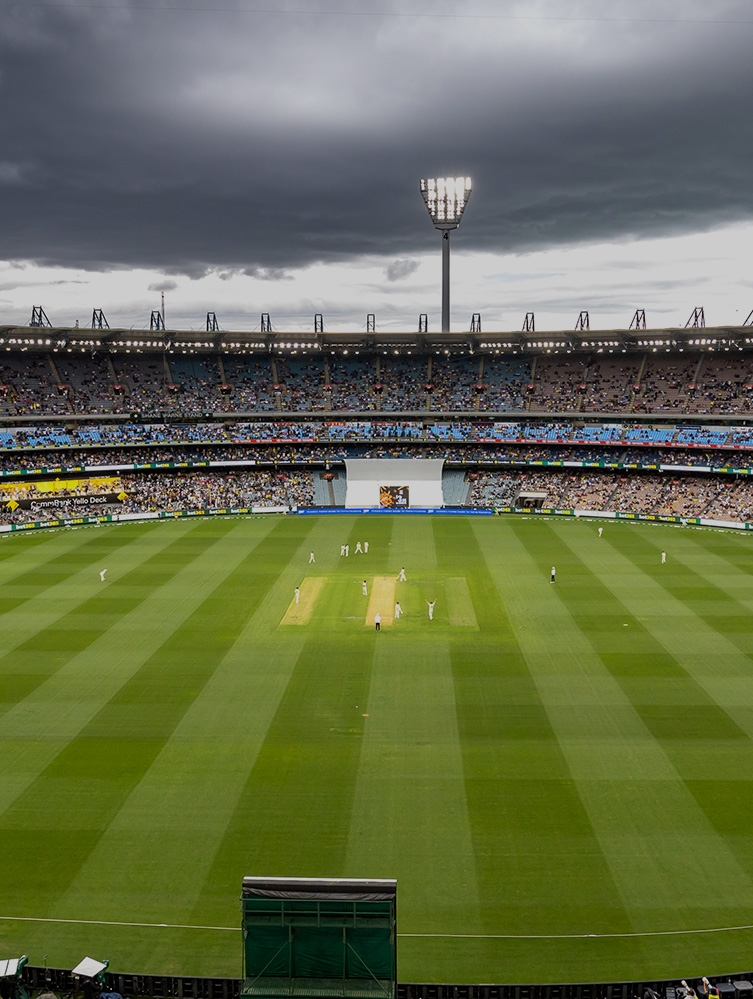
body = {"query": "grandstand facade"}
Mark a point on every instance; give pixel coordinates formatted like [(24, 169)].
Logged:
[(112, 422), (109, 373)]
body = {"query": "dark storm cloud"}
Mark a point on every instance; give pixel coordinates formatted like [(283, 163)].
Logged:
[(400, 269), (258, 143), (267, 273)]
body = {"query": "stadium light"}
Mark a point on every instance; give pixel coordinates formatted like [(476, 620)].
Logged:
[(445, 199)]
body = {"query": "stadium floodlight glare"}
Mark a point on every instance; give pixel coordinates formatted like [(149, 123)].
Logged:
[(446, 198)]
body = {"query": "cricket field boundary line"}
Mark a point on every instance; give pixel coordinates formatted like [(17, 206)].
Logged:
[(427, 936)]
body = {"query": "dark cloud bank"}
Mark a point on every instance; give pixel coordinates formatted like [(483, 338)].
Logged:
[(226, 141)]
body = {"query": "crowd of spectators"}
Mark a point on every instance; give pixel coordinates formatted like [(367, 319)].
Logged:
[(454, 384), (29, 385), (726, 497), (613, 438), (75, 380), (610, 385), (505, 384), (712, 497), (724, 386), (302, 383), (198, 490), (557, 384), (161, 492), (665, 385), (319, 454)]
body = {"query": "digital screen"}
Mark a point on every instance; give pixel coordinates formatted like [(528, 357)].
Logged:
[(393, 496)]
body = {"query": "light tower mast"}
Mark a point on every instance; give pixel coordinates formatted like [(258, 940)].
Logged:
[(445, 199)]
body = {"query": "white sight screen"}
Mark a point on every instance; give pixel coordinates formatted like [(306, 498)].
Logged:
[(367, 477)]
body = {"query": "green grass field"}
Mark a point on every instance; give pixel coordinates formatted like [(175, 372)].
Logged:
[(558, 776)]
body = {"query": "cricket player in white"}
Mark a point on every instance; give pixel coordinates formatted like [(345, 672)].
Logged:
[(312, 559), (342, 549), (398, 610), (401, 577), (601, 531), (554, 573), (102, 575), (366, 547), (297, 594), (430, 605), (359, 550), (363, 587), (663, 557), (347, 551)]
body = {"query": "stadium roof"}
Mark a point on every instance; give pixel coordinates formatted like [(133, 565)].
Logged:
[(57, 338)]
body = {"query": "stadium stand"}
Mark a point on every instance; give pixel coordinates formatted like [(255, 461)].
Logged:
[(74, 408), (250, 382), (453, 382), (504, 382), (405, 381), (301, 383), (31, 385), (557, 384)]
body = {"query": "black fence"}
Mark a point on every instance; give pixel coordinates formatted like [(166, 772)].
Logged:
[(169, 987)]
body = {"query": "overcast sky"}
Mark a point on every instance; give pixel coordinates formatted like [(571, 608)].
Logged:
[(250, 156)]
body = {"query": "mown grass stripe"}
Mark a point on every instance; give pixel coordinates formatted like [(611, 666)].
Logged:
[(25, 554), (293, 814), (717, 605), (117, 745), (29, 553), (651, 830), (198, 775), (603, 608), (517, 780), (411, 766), (686, 725), (411, 544), (34, 660), (54, 601), (37, 728)]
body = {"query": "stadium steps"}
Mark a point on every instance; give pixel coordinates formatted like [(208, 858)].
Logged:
[(338, 485), (455, 488), (323, 492)]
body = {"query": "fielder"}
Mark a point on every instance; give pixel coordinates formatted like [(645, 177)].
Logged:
[(359, 550), (401, 577), (601, 531), (312, 559), (430, 605), (554, 573), (102, 575), (297, 594), (366, 547), (398, 610), (363, 587), (663, 557)]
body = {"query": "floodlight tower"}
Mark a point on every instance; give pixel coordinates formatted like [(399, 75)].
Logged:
[(446, 198)]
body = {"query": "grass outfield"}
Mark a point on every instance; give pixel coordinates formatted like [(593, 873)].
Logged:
[(558, 776)]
